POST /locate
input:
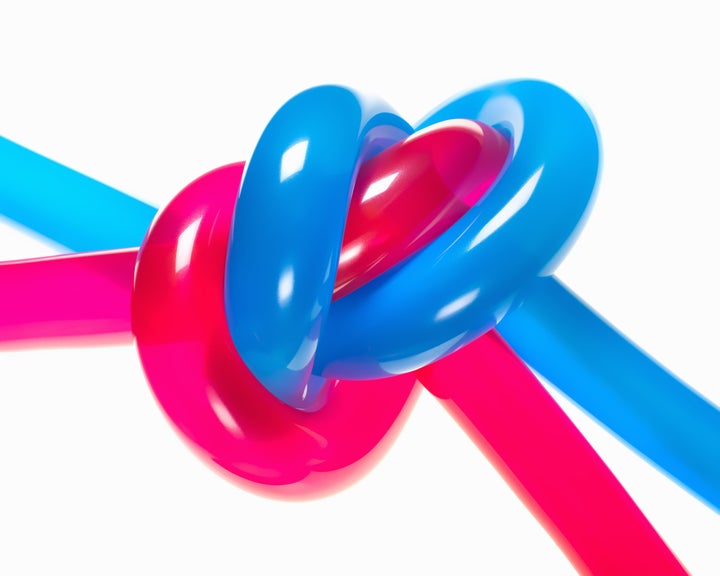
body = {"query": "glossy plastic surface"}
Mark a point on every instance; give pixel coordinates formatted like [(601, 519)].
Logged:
[(229, 419)]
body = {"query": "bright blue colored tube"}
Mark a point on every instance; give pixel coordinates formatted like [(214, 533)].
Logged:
[(617, 383), (288, 228), (65, 206)]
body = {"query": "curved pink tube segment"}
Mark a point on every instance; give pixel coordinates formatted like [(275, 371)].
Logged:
[(81, 299), (230, 420)]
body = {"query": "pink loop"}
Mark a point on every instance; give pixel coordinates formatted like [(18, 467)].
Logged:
[(229, 418)]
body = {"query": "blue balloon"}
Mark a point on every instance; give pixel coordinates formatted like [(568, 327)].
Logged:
[(287, 232), (464, 282)]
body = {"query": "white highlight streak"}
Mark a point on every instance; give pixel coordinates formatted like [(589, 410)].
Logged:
[(293, 160), (286, 285), (378, 187), (457, 305), (186, 240), (513, 206)]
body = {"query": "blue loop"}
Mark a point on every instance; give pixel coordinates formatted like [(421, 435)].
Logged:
[(463, 283), (287, 232)]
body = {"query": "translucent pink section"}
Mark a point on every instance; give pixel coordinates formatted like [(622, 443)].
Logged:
[(546, 461), (67, 300), (412, 192)]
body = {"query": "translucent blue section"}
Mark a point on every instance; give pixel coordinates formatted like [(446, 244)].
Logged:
[(66, 207), (618, 384)]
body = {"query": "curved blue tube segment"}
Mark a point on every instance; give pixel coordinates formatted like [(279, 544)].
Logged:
[(609, 377), (66, 207), (287, 232), (460, 285)]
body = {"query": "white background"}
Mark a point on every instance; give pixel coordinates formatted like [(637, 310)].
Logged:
[(146, 96)]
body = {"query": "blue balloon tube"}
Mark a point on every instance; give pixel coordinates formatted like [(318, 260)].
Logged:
[(65, 206), (619, 385)]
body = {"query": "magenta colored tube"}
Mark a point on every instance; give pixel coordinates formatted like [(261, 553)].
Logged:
[(80, 299), (546, 461)]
